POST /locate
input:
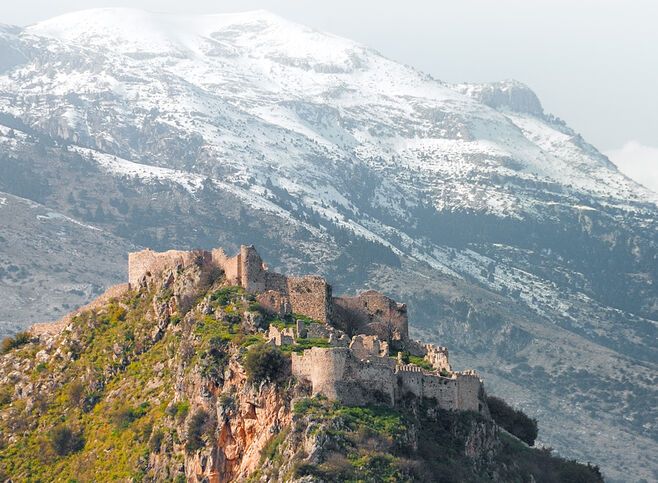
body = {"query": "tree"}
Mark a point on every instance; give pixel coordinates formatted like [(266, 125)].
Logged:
[(65, 441), (264, 362), (514, 421)]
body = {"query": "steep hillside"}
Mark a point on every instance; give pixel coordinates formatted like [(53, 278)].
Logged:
[(167, 382), (513, 240)]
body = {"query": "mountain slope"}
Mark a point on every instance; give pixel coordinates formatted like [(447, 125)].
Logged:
[(514, 240)]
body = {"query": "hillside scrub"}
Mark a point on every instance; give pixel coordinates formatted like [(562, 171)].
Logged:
[(516, 422)]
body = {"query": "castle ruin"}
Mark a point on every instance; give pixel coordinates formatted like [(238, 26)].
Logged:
[(367, 335)]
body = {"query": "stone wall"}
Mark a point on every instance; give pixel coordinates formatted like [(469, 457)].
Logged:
[(148, 263), (252, 271), (310, 296), (362, 374), (371, 313), (337, 374)]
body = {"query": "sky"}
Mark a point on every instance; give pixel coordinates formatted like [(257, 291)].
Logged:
[(593, 63)]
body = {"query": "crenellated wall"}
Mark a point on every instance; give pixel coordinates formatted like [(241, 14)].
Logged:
[(362, 374)]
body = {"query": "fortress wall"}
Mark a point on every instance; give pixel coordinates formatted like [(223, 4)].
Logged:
[(148, 262), (310, 296), (372, 313), (409, 382), (322, 368), (443, 389), (230, 265), (274, 302), (251, 269), (468, 392), (337, 374), (277, 282)]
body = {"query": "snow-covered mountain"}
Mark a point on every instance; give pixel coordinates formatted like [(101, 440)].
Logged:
[(518, 243)]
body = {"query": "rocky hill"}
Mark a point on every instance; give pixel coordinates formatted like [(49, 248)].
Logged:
[(513, 240), (177, 378)]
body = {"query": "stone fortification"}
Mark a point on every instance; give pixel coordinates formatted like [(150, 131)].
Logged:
[(358, 378), (371, 313), (310, 295), (360, 371)]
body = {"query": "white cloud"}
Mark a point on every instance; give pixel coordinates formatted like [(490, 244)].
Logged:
[(638, 162)]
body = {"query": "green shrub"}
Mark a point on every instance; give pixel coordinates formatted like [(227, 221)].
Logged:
[(6, 395), (179, 409), (227, 402), (214, 359), (516, 422), (199, 424), (75, 393), (264, 362), (227, 295), (155, 442), (421, 362), (123, 417), (116, 313), (10, 343), (64, 440)]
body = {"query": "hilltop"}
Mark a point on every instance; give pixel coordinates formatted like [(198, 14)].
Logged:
[(205, 367)]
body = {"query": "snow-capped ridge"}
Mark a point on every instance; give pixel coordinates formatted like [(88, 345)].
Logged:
[(510, 94)]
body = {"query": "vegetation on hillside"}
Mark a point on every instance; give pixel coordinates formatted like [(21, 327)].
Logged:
[(514, 421)]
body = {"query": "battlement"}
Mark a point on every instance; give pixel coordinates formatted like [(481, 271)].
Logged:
[(360, 374)]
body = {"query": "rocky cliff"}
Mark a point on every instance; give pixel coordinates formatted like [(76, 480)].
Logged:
[(173, 381)]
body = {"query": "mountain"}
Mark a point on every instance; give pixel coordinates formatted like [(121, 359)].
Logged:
[(514, 241), (189, 373)]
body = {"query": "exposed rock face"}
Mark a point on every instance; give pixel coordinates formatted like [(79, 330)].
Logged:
[(512, 95)]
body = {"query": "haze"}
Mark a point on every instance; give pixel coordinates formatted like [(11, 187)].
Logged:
[(593, 63)]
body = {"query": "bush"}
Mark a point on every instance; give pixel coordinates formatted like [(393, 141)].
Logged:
[(199, 424), (123, 417), (227, 295), (155, 442), (75, 393), (65, 441), (264, 362), (214, 360), (514, 421), (9, 343), (179, 410), (6, 395)]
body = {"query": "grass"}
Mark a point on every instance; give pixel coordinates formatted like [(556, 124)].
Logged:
[(303, 344)]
